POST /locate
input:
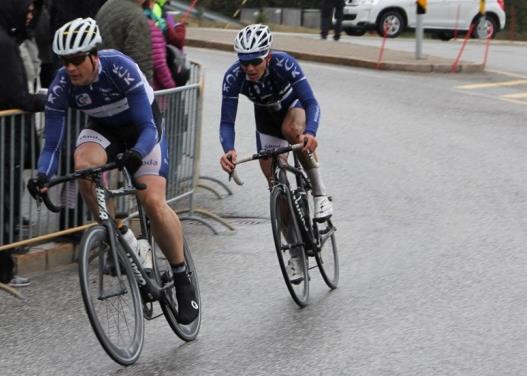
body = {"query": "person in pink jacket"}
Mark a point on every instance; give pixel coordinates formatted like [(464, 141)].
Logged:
[(162, 74)]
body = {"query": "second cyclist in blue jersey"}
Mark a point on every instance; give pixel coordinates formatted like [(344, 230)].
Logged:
[(123, 117), (285, 107)]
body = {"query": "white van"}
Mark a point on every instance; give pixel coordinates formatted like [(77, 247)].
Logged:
[(443, 17)]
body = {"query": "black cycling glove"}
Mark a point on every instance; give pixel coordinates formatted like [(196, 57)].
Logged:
[(35, 184), (132, 160)]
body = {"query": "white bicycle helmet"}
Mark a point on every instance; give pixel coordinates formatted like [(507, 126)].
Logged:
[(253, 41), (79, 35)]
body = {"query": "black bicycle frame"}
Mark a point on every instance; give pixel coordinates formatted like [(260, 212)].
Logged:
[(303, 186), (145, 282)]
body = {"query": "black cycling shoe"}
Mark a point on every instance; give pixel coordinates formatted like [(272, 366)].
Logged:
[(188, 308)]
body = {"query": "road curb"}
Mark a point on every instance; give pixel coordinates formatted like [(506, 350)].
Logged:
[(421, 67), (44, 257)]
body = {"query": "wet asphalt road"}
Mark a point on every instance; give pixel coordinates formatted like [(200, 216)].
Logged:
[(429, 186)]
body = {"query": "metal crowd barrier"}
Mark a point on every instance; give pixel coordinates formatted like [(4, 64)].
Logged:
[(21, 139)]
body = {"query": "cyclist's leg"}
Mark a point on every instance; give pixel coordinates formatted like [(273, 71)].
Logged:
[(166, 227), (87, 155), (266, 141), (164, 221), (268, 136), (293, 128), (96, 145)]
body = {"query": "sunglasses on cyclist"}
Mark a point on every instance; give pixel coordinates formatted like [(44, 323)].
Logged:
[(253, 62), (73, 59)]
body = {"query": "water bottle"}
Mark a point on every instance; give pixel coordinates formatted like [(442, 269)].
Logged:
[(130, 238), (146, 253)]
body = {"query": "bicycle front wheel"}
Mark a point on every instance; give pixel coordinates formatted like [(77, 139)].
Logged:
[(289, 246), (113, 303), (187, 332), (327, 255)]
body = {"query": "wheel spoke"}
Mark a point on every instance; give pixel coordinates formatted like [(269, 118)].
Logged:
[(113, 302), (289, 246)]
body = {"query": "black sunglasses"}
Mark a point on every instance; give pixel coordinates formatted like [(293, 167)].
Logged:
[(73, 59), (253, 62)]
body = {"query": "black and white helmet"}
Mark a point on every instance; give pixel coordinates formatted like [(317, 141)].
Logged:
[(79, 35), (253, 41)]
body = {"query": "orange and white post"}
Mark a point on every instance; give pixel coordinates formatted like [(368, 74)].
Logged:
[(420, 10)]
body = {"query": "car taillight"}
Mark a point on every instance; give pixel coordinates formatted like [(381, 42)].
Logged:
[(501, 3)]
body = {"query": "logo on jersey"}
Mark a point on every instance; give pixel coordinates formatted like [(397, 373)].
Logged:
[(83, 100), (150, 162), (56, 91), (289, 65), (230, 79), (123, 73)]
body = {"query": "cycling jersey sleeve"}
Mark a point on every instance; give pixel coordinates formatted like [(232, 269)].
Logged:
[(305, 94), (144, 120), (232, 82), (229, 107), (292, 71), (132, 82), (55, 115)]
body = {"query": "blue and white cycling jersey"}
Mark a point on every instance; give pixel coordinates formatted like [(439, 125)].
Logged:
[(282, 85), (119, 97)]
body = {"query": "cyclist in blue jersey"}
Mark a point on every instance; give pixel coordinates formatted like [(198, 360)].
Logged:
[(285, 109), (123, 117)]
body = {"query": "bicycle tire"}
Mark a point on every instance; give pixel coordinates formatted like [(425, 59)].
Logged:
[(93, 276), (326, 254), (299, 291), (168, 303)]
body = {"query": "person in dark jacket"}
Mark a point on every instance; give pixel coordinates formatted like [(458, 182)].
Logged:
[(43, 38), (62, 11), (125, 28), (326, 18), (15, 18), (14, 92)]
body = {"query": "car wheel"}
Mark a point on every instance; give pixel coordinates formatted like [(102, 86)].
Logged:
[(355, 32), (489, 29), (391, 23)]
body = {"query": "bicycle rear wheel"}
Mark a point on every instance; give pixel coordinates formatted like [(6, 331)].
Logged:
[(326, 254), (113, 304), (169, 305), (288, 244)]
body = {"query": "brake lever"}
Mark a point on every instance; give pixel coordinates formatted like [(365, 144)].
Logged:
[(233, 175)]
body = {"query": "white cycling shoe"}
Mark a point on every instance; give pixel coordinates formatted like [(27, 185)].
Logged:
[(323, 208), (295, 270)]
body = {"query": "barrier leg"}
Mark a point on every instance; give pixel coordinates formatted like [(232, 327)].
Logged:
[(219, 182), (206, 213)]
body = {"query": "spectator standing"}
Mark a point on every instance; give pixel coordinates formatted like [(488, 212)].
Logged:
[(15, 18), (62, 11), (162, 74), (326, 18), (43, 38), (124, 27), (175, 31)]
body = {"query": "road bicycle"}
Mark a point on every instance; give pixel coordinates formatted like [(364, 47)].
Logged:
[(296, 233), (118, 299)]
